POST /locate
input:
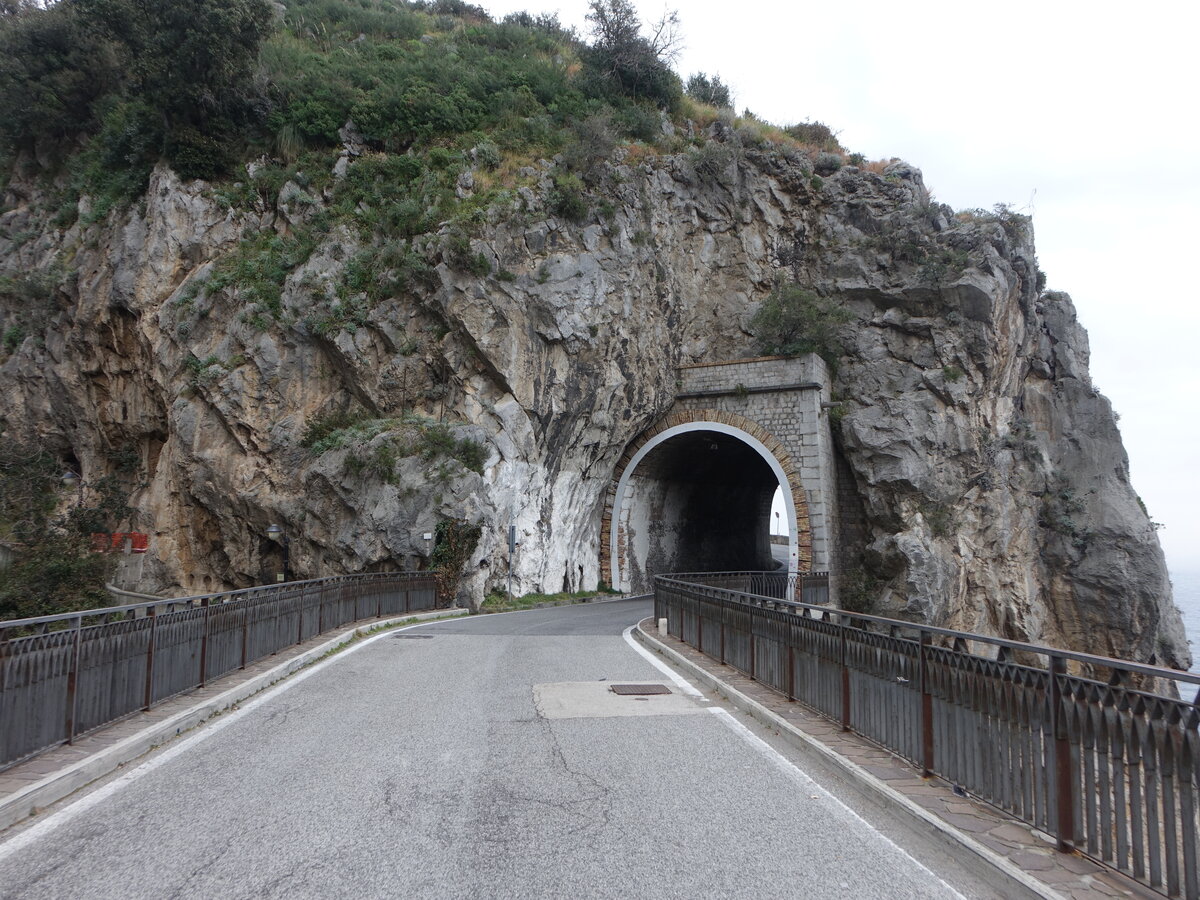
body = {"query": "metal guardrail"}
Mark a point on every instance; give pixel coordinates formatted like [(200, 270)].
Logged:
[(1100, 753), (63, 676), (805, 587)]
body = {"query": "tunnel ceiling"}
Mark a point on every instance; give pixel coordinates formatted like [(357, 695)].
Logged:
[(706, 457)]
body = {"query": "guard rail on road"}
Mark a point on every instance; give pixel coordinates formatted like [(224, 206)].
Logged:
[(806, 587), (66, 675), (1101, 753)]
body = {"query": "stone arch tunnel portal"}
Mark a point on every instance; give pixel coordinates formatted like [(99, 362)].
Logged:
[(697, 498)]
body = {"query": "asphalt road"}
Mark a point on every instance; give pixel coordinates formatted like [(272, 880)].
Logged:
[(483, 757)]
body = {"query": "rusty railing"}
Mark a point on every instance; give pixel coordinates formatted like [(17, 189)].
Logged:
[(66, 675), (1102, 754)]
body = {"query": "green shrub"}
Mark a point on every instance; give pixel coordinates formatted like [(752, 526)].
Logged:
[(63, 575), (709, 90), (711, 161), (13, 336), (114, 167), (794, 320), (194, 154), (858, 590), (622, 63), (321, 426), (379, 463), (260, 266), (54, 70), (487, 155), (567, 199), (454, 542), (53, 570), (815, 134), (438, 440)]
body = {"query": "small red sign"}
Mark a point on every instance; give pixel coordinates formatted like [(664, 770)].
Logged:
[(115, 542)]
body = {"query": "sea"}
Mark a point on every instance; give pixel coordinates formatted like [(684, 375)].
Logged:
[(1187, 598)]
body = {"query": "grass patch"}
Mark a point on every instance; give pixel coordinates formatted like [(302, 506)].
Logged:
[(410, 435), (498, 602)]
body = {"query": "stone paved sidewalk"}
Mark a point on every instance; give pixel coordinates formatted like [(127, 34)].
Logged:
[(1070, 875), (30, 786)]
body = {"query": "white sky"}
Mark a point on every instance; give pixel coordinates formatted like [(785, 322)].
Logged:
[(1084, 114)]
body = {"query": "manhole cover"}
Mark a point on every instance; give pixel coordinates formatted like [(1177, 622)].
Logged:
[(639, 689)]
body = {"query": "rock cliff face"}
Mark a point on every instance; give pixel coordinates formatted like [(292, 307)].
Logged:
[(992, 482)]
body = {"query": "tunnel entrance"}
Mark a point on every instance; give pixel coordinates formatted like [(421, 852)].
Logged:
[(697, 498)]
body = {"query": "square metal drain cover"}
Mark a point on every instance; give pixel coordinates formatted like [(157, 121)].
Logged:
[(639, 689)]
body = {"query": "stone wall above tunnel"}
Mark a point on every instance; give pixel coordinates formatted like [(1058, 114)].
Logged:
[(774, 405)]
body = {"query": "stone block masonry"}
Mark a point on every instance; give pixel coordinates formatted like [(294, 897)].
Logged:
[(774, 405)]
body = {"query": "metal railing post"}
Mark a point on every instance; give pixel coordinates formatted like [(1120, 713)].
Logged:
[(73, 681), (3, 642), (845, 673), (724, 612), (245, 633), (204, 605), (753, 654), (791, 675), (927, 758), (153, 613), (1062, 758)]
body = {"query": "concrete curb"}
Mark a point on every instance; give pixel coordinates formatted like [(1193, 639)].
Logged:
[(981, 860), (69, 779)]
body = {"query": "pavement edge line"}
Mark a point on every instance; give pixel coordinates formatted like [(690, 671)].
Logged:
[(54, 787), (874, 789)]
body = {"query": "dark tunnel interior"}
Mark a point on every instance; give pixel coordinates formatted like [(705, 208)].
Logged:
[(698, 502)]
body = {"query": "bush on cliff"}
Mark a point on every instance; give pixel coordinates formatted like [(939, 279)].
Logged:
[(794, 320)]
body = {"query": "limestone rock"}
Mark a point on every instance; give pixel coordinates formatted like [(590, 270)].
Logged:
[(993, 487)]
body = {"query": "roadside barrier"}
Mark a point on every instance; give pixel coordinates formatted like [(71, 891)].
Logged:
[(66, 675), (1101, 754)]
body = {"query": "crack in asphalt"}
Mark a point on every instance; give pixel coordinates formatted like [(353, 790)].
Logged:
[(211, 860)]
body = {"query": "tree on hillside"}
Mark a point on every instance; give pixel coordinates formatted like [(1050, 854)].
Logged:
[(634, 65), (53, 569), (152, 76), (53, 70), (712, 91), (189, 59)]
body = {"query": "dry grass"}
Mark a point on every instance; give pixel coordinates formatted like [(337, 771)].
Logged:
[(637, 153)]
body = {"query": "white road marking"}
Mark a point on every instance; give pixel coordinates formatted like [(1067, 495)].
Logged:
[(682, 683), (64, 816), (781, 762)]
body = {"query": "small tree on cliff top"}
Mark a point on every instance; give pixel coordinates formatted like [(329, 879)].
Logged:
[(629, 63), (712, 91)]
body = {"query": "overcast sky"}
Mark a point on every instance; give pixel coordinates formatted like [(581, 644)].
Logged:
[(1083, 114)]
